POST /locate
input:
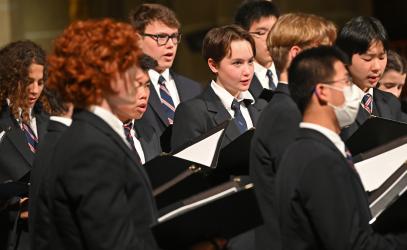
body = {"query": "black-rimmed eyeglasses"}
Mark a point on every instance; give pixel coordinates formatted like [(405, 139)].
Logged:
[(162, 39)]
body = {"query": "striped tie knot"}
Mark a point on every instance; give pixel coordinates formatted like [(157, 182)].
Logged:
[(269, 75), (166, 100), (32, 139), (367, 102)]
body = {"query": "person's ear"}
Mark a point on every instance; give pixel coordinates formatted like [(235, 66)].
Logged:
[(294, 51), (322, 93), (213, 66)]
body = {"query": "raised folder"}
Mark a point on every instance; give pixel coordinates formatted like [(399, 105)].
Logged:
[(223, 211), (198, 165), (383, 172), (375, 132)]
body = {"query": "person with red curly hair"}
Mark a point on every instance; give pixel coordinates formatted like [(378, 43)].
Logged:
[(23, 72), (98, 195)]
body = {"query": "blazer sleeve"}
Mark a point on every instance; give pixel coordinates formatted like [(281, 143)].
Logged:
[(335, 212), (97, 187)]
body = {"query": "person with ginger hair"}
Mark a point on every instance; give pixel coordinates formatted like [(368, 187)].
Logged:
[(99, 196)]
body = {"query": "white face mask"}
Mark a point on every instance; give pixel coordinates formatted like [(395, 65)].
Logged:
[(346, 114)]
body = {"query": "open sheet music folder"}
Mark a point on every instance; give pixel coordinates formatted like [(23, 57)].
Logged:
[(375, 132), (198, 166), (223, 211), (383, 172)]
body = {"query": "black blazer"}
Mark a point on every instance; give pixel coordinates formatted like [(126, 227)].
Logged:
[(385, 105), (149, 140), (276, 129), (42, 232), (16, 157), (321, 201), (16, 161), (155, 115), (100, 197), (195, 117)]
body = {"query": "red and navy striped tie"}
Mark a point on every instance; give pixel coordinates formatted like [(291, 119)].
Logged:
[(128, 126), (367, 102), (166, 100), (32, 139)]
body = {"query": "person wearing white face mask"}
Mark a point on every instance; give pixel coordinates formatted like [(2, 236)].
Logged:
[(322, 202)]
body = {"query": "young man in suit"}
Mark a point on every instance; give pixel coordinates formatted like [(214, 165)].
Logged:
[(100, 197), (23, 71), (229, 51), (160, 34), (321, 201), (60, 120), (278, 123), (140, 135), (258, 17), (365, 41)]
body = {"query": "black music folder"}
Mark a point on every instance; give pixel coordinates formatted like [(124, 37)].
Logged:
[(374, 132), (383, 172), (183, 172), (223, 211), (165, 139), (234, 158), (12, 189)]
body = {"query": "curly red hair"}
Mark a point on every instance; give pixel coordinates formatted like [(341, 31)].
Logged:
[(88, 55)]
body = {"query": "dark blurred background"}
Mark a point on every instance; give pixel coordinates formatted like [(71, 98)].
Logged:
[(42, 20)]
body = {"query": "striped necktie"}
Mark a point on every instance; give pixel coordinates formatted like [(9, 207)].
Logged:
[(272, 85), (128, 126), (239, 119), (367, 102), (166, 100), (32, 139)]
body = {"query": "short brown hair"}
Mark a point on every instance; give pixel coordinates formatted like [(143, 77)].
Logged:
[(302, 30), (149, 12), (216, 44), (88, 55)]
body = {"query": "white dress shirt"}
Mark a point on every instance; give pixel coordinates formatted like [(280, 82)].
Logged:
[(261, 74), (64, 120), (331, 135), (169, 84), (137, 145), (227, 99)]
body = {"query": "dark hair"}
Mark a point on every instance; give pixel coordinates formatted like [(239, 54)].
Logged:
[(53, 102), (250, 12), (216, 44), (147, 62), (395, 62), (148, 13), (359, 33), (310, 67), (15, 61)]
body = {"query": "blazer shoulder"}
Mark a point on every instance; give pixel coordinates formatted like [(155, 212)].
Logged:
[(387, 97), (182, 82)]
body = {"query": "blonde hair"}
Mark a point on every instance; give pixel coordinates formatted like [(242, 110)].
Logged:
[(298, 29)]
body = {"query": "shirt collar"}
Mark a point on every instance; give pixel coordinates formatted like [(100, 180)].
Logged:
[(331, 135), (110, 119), (64, 120), (260, 70), (227, 98), (154, 75)]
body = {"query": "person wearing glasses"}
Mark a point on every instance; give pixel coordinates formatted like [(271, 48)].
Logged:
[(160, 34), (278, 123), (365, 41), (258, 18), (321, 200)]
